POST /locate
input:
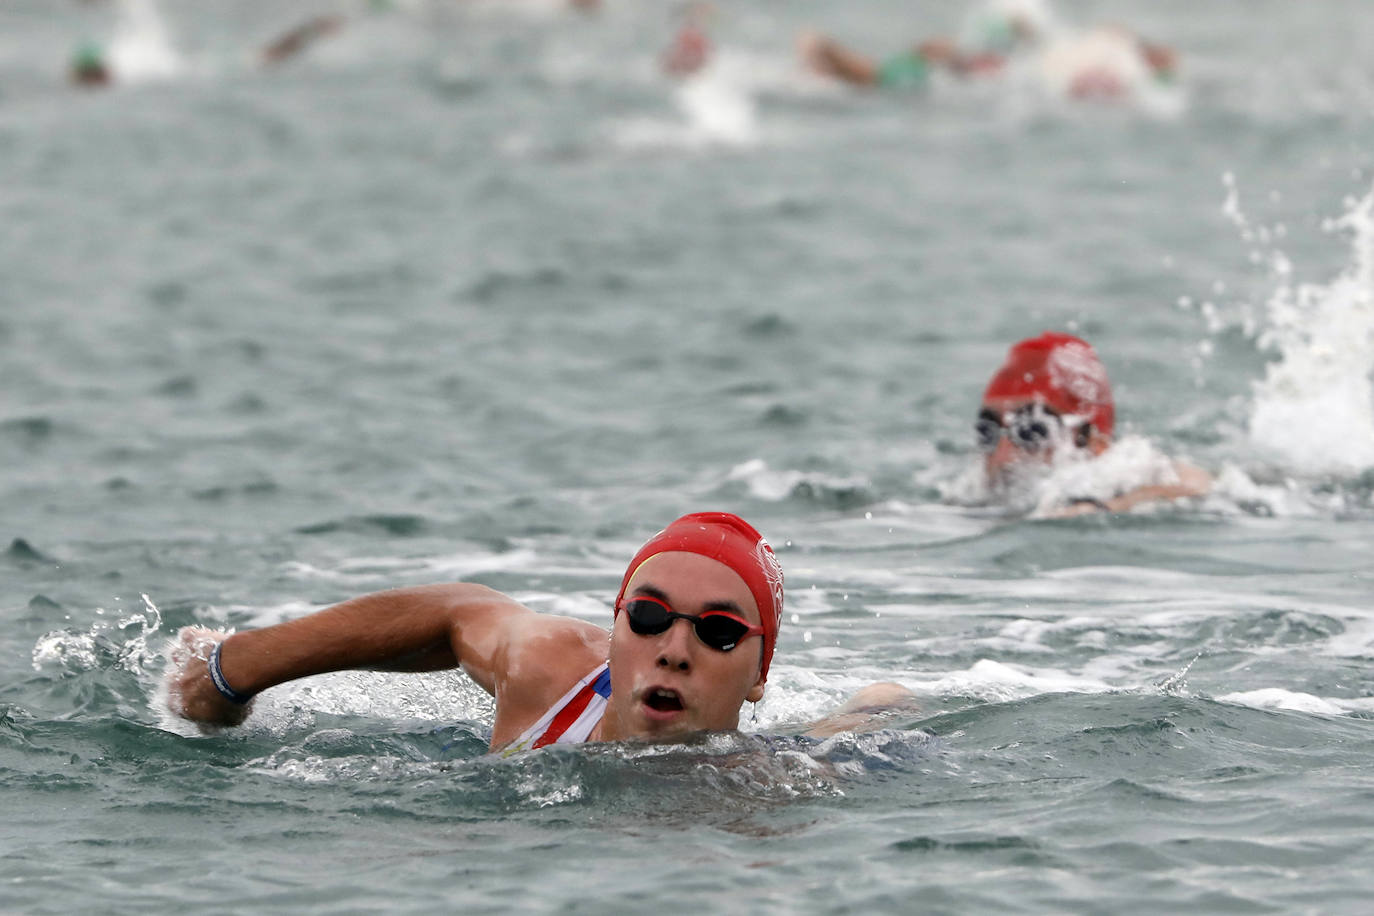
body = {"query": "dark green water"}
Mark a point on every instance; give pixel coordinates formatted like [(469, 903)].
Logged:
[(471, 291)]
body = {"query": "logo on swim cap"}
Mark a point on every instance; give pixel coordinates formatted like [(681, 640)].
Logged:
[(1075, 369), (772, 572)]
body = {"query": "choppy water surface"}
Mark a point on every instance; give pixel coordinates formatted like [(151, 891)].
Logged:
[(472, 291)]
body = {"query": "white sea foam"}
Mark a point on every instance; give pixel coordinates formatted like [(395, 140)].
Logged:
[(717, 107), (995, 681), (70, 651), (1131, 462), (1043, 489), (718, 103), (1314, 409), (125, 638), (440, 698), (1356, 639), (141, 50), (1234, 489), (290, 763), (765, 483), (1278, 698), (463, 565)]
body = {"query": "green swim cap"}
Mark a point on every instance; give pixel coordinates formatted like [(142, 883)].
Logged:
[(907, 70), (89, 56)]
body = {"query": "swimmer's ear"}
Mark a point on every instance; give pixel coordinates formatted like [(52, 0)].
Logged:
[(1083, 435)]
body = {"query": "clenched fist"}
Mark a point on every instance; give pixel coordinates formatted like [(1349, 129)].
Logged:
[(190, 692)]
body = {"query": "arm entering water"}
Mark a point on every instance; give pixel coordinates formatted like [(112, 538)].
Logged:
[(870, 709), (424, 628)]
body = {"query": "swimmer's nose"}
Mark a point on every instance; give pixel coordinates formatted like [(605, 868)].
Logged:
[(1003, 455), (673, 651)]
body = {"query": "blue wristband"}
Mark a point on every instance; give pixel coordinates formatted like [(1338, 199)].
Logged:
[(217, 677)]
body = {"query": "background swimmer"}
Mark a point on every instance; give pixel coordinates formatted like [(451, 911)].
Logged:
[(297, 39), (691, 46), (1050, 401), (1105, 63), (905, 70), (989, 37), (89, 66)]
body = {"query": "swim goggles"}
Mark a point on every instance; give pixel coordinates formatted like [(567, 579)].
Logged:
[(1029, 427), (720, 630)]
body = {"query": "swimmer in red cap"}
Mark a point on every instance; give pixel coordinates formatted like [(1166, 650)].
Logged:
[(1052, 394), (693, 630), (690, 49)]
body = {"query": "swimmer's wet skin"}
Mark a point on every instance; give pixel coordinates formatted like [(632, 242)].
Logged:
[(694, 627)]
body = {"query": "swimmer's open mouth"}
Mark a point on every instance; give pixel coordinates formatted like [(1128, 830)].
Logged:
[(663, 700)]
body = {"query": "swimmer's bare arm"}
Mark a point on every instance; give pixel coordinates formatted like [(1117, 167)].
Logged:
[(828, 57), (1192, 481), (294, 41), (873, 707), (425, 628)]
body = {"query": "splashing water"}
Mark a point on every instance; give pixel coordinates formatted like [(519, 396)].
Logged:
[(1044, 489), (113, 644), (719, 107), (1314, 409), (140, 50)]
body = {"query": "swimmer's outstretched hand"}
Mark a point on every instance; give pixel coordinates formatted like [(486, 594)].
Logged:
[(190, 692), (872, 708)]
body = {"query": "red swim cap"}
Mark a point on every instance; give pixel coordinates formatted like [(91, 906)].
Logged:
[(1064, 372), (728, 539)]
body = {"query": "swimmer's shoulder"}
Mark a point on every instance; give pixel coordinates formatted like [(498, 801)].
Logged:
[(547, 654)]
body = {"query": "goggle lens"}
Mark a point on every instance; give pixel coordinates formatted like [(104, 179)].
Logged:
[(719, 630), (1028, 428)]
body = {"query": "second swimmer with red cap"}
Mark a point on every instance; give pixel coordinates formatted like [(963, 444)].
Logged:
[(1052, 394), (692, 636)]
